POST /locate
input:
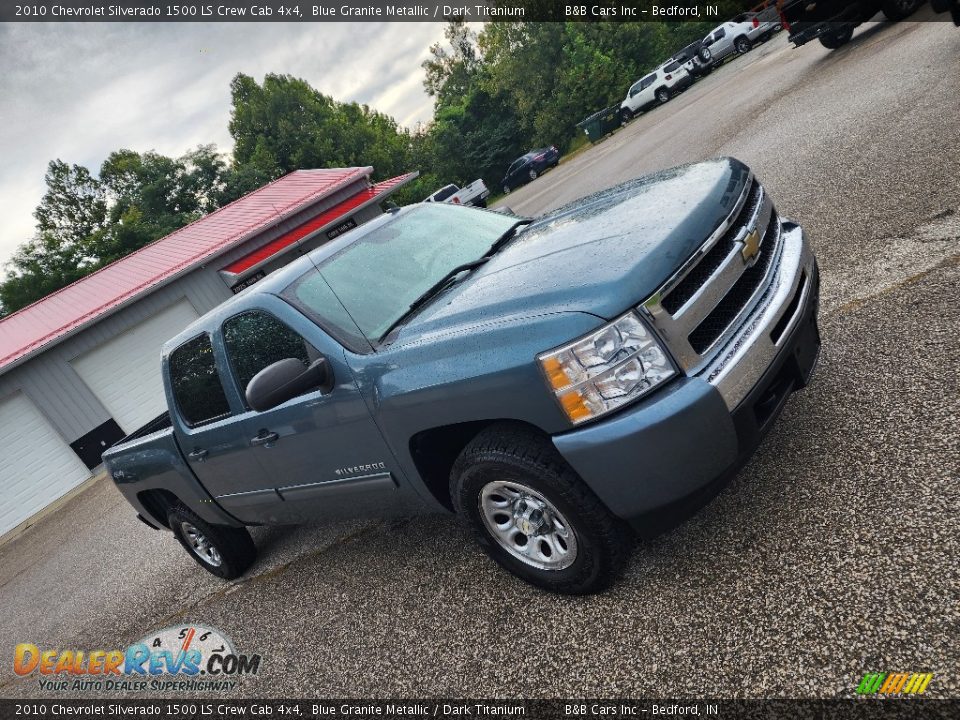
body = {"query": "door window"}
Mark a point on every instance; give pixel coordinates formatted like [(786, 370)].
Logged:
[(257, 339), (196, 383)]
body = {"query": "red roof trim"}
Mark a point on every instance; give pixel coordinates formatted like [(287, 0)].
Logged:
[(371, 194), (67, 310)]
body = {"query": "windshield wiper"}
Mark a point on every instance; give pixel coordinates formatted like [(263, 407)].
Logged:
[(507, 236), (438, 287)]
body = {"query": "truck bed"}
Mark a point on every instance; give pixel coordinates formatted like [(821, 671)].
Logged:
[(158, 423)]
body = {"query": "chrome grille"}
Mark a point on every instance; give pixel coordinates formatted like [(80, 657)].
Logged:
[(729, 308), (711, 296)]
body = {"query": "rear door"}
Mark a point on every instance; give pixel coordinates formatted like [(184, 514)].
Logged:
[(321, 452)]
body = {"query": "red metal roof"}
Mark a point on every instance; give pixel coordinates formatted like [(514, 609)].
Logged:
[(371, 194), (69, 308)]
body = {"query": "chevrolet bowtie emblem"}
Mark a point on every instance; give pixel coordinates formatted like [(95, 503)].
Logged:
[(751, 246)]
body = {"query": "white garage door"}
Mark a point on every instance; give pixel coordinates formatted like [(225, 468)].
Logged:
[(124, 372), (36, 464)]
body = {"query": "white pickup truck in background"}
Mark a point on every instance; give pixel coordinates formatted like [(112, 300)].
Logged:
[(476, 193)]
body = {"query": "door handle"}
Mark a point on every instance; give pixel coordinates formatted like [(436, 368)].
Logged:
[(264, 438), (199, 455)]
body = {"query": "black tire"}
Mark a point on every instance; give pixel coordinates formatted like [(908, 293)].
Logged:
[(662, 95), (533, 174), (507, 454), (625, 115), (896, 10), (481, 203), (837, 39), (743, 44), (233, 546), (506, 189)]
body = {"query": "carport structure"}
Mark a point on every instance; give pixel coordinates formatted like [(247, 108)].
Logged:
[(80, 368)]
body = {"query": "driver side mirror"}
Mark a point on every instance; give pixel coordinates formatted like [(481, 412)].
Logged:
[(285, 380)]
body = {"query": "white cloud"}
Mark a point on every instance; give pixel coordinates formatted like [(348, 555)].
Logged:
[(77, 92)]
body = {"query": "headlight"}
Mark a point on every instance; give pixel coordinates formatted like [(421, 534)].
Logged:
[(606, 369)]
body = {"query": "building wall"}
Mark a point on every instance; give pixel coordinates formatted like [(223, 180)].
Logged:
[(57, 390)]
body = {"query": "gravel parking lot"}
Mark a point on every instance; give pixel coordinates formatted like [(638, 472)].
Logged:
[(833, 553)]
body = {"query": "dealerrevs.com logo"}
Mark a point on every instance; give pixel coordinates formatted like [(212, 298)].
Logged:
[(894, 683), (181, 657)]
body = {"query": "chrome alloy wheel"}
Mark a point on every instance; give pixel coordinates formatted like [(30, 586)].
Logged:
[(200, 545), (527, 525)]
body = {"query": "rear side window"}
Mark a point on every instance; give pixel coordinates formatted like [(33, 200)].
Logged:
[(444, 193), (670, 67), (257, 339), (196, 385), (647, 81)]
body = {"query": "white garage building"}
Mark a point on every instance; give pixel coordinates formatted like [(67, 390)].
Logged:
[(80, 368)]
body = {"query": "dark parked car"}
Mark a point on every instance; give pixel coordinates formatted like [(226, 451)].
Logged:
[(528, 167)]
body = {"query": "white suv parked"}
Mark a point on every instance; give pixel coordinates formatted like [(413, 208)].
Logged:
[(655, 88)]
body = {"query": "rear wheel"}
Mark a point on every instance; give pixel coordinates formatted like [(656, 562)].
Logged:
[(533, 174), (899, 9), (625, 115), (481, 203), (833, 40), (742, 44), (534, 516), (221, 550), (662, 95), (506, 189)]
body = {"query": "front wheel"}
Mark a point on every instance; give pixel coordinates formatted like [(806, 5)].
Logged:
[(224, 551), (662, 95), (534, 516), (896, 10), (833, 40)]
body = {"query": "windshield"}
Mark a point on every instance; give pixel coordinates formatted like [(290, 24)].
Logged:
[(380, 275)]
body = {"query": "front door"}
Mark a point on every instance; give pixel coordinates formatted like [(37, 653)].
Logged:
[(216, 445), (321, 452)]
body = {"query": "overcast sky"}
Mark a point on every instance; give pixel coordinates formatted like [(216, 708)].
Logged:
[(79, 91)]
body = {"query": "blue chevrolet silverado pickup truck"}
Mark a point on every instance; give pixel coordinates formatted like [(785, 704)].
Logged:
[(556, 382)]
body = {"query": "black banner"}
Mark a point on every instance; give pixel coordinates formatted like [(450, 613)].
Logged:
[(857, 708), (377, 10)]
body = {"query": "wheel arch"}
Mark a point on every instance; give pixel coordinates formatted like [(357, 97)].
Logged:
[(158, 503), (435, 450)]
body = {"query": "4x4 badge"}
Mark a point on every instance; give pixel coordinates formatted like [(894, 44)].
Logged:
[(751, 245)]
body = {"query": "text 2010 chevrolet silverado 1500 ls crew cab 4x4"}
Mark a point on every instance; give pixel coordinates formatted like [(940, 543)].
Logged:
[(556, 382)]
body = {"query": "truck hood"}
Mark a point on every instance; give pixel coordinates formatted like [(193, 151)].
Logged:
[(599, 255)]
